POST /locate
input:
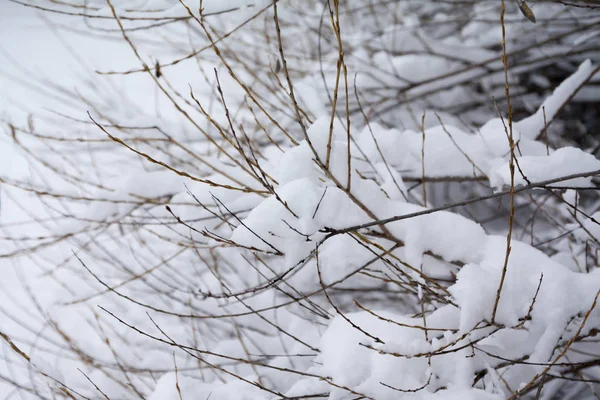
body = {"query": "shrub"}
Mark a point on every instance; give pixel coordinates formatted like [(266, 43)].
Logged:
[(299, 200)]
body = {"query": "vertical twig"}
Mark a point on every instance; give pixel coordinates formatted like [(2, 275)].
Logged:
[(511, 164), (423, 159)]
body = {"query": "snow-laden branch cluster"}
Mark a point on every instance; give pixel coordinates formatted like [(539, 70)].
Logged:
[(310, 201)]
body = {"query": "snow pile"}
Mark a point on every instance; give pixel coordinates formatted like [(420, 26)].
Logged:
[(542, 303), (562, 162)]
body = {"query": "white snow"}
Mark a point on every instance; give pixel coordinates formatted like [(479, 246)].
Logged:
[(562, 162), (279, 290)]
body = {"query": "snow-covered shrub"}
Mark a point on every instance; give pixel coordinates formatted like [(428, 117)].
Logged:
[(248, 220)]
